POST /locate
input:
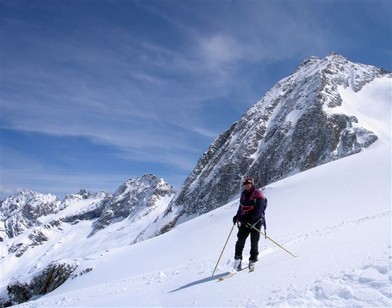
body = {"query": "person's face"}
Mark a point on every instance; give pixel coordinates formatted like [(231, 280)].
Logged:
[(247, 185)]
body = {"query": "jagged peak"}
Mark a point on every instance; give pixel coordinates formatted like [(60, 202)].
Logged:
[(34, 203), (309, 61), (143, 183), (332, 59), (26, 191), (334, 70), (82, 194), (334, 56), (26, 194), (148, 179)]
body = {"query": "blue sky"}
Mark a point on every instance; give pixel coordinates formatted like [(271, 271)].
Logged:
[(95, 92)]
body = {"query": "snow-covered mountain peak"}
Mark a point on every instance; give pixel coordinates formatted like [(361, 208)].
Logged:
[(82, 194), (22, 210), (81, 197), (333, 56), (337, 70), (299, 124), (147, 185), (134, 199), (26, 197)]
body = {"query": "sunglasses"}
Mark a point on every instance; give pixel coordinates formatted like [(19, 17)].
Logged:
[(246, 183)]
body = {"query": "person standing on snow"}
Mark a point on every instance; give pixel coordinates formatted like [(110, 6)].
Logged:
[(250, 214)]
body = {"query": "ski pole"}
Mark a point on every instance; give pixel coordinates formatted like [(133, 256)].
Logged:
[(263, 223), (266, 236), (254, 225), (222, 250)]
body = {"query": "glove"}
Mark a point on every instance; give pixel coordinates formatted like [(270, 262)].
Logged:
[(235, 219)]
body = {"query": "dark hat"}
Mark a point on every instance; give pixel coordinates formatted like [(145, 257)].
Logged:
[(248, 180)]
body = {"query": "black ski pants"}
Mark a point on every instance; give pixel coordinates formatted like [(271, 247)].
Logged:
[(242, 235)]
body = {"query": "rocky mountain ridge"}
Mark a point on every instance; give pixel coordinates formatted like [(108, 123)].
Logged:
[(21, 211), (135, 198), (31, 222)]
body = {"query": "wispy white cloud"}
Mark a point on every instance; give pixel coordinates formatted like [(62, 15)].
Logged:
[(120, 89), (127, 109), (157, 81), (219, 49)]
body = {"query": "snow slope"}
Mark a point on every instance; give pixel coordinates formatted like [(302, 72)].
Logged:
[(336, 218)]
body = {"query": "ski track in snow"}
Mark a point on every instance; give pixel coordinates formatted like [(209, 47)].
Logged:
[(329, 229), (370, 285)]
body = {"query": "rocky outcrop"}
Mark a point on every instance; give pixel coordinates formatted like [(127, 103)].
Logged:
[(49, 279)]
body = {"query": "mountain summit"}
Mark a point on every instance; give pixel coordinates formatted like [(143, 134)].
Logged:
[(299, 124)]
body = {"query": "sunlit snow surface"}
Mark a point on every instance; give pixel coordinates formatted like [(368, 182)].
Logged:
[(336, 218)]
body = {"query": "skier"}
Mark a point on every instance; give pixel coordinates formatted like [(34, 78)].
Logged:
[(250, 214)]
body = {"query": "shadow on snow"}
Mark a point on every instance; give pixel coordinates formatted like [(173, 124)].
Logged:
[(191, 284)]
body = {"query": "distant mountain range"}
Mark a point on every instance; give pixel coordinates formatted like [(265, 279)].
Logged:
[(297, 125)]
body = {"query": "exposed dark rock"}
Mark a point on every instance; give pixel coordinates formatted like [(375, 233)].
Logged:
[(19, 249), (92, 213), (19, 293), (52, 277), (48, 280)]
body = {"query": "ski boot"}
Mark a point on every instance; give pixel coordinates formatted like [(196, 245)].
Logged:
[(251, 265), (237, 265)]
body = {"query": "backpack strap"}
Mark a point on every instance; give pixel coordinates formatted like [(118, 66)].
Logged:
[(256, 194)]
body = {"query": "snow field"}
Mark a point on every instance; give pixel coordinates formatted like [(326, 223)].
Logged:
[(336, 218), (343, 252)]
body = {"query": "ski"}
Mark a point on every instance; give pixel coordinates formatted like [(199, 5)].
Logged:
[(231, 274)]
